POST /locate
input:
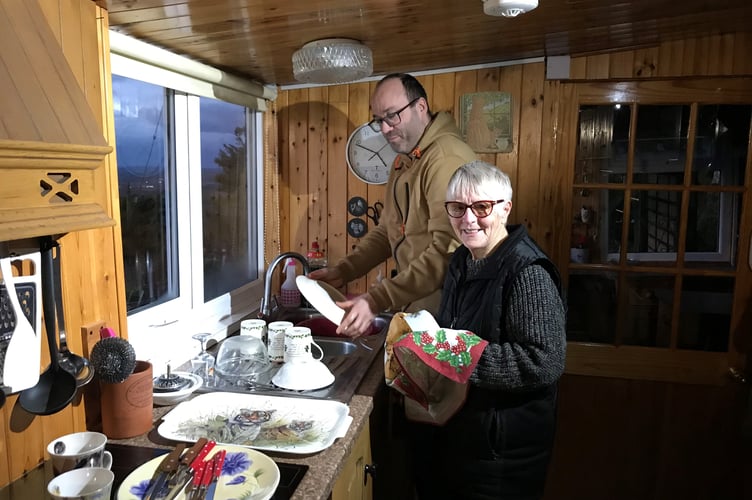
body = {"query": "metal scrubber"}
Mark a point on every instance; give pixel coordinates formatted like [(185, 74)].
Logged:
[(114, 359)]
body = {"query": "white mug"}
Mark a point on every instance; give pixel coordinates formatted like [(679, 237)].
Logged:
[(90, 483), (276, 346), (255, 328), (79, 450), (298, 344)]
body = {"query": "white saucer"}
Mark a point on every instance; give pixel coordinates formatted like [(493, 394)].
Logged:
[(303, 376), (174, 397), (322, 297)]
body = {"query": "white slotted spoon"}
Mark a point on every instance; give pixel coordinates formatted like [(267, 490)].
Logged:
[(19, 371)]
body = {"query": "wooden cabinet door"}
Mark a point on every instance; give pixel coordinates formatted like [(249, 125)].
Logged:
[(353, 483)]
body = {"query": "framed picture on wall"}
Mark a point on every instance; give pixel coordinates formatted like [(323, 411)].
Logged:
[(486, 121)]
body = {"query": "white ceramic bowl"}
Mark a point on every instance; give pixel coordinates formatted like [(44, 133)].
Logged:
[(303, 376), (174, 397)]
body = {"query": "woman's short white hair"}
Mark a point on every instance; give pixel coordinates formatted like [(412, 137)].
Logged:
[(481, 179)]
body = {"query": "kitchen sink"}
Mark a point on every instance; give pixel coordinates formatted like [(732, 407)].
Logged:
[(348, 359), (336, 347)]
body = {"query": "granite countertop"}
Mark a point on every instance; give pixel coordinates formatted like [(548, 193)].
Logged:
[(324, 466)]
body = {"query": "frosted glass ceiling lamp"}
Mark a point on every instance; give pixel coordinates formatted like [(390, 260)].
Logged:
[(332, 60), (508, 8)]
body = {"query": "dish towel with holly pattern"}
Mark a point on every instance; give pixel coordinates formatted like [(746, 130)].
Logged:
[(430, 365)]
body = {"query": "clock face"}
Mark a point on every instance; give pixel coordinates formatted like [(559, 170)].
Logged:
[(369, 155)]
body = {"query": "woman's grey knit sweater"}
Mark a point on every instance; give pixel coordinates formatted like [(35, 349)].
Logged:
[(535, 321)]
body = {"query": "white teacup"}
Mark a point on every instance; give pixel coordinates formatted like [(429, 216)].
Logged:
[(276, 344), (90, 483), (78, 450), (255, 328), (298, 344)]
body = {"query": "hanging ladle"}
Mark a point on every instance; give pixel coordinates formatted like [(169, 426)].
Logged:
[(56, 387), (76, 365)]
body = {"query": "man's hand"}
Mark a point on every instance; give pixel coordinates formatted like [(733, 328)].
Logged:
[(329, 275), (359, 315)]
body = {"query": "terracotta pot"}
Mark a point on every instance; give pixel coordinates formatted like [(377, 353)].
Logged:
[(127, 406)]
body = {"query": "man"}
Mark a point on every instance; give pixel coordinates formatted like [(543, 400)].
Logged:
[(414, 228)]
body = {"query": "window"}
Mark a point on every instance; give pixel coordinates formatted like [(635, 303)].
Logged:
[(191, 206)]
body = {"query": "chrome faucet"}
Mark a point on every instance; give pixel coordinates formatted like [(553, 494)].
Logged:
[(266, 309)]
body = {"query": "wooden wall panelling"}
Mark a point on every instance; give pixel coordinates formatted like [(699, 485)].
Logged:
[(443, 97), (742, 49), (527, 196), (358, 113), (670, 57), (334, 241), (318, 205), (283, 189), (645, 62), (597, 66), (623, 65), (510, 80), (297, 171), (725, 54), (376, 192)]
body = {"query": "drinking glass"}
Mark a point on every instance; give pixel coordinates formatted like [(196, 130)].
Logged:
[(202, 363)]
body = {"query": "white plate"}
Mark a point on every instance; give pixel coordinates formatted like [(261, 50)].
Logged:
[(321, 298), (283, 424), (303, 376), (244, 470)]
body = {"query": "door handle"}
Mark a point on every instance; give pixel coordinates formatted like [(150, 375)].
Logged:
[(369, 469), (737, 375)]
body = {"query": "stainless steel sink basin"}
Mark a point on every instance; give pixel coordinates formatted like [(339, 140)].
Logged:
[(336, 347), (348, 359)]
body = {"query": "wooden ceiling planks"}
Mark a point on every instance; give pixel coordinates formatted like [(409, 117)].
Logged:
[(256, 39)]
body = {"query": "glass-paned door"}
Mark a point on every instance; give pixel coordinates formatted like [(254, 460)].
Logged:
[(659, 237)]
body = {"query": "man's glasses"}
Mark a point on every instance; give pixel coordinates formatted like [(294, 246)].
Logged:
[(481, 209), (390, 119)]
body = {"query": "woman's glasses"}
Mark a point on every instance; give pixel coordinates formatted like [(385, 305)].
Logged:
[(482, 208)]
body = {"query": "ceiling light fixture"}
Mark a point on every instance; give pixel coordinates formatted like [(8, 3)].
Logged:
[(332, 60), (508, 8)]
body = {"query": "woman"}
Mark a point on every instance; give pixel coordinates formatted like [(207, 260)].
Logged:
[(501, 286)]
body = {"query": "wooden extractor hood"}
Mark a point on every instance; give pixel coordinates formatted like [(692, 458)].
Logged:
[(52, 150)]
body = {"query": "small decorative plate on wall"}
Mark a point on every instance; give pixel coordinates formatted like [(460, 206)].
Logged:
[(486, 121)]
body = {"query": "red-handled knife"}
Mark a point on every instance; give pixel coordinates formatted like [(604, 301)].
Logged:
[(194, 455), (206, 476), (196, 482), (219, 461)]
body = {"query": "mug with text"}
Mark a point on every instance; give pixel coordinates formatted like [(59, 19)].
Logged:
[(298, 345)]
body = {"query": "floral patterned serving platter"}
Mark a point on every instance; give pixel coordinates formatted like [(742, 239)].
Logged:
[(246, 474), (282, 424)]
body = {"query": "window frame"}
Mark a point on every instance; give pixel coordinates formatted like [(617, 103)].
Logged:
[(162, 333)]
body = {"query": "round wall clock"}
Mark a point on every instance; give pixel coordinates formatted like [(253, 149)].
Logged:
[(369, 155)]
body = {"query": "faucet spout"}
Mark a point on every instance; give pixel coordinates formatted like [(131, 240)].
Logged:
[(266, 308)]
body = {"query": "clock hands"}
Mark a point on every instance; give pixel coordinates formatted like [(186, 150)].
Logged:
[(367, 149), (375, 153)]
